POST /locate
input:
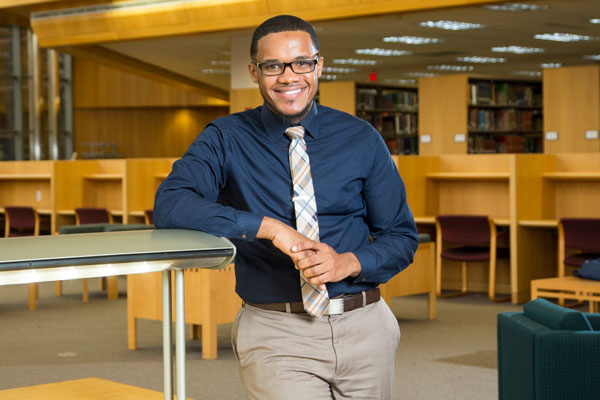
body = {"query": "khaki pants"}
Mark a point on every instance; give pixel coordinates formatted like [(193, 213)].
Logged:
[(294, 356)]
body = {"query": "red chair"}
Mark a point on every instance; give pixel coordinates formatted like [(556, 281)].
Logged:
[(472, 238), (92, 215), (23, 221), (580, 238), (149, 217)]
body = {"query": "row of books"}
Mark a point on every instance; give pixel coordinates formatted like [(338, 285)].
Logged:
[(504, 94), (504, 144), (392, 123), (371, 99), (505, 119)]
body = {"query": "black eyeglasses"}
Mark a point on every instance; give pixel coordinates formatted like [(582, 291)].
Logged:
[(272, 68)]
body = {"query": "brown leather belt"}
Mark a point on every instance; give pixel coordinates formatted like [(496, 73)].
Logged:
[(337, 305)]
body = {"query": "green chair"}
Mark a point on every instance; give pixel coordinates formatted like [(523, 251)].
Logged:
[(548, 352)]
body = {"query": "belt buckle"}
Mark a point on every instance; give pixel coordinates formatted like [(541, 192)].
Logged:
[(336, 306)]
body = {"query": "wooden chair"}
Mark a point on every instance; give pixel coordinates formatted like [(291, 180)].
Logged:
[(149, 217), (23, 221), (92, 215), (474, 238), (580, 237)]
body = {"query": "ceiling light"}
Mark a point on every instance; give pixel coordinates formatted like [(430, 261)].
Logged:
[(220, 63), (528, 73), (339, 70), (383, 52), (595, 21), (517, 49), (400, 81), (354, 61), (482, 60), (411, 40), (451, 25), (551, 65), (563, 37), (328, 77), (419, 74), (216, 71), (595, 57), (446, 67), (516, 7)]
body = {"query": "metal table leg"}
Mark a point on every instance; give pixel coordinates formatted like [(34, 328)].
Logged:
[(167, 335), (180, 334)]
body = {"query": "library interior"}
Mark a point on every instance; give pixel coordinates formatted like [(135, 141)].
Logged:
[(489, 109)]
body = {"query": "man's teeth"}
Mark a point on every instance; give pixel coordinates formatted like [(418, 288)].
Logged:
[(292, 91)]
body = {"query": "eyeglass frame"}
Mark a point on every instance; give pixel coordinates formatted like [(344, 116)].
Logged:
[(315, 60)]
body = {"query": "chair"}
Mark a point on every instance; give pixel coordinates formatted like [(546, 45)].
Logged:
[(149, 217), (92, 215), (581, 235), (474, 238), (23, 221), (548, 352)]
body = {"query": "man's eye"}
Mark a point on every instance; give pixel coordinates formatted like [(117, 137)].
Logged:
[(304, 63), (272, 67)]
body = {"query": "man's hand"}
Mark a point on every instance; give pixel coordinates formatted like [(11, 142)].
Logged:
[(320, 263), (283, 236)]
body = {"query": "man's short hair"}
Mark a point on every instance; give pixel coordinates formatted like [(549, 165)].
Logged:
[(281, 23)]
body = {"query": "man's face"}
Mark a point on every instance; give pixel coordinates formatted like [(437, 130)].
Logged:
[(289, 95)]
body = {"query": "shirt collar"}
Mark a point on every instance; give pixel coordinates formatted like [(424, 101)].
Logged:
[(275, 128)]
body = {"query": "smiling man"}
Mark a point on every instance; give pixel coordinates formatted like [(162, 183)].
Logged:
[(317, 210)]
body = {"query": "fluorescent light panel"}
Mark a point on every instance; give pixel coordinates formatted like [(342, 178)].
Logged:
[(339, 70), (516, 7), (563, 37), (517, 49), (594, 57), (383, 52), (419, 74), (451, 25), (482, 60), (446, 67), (595, 21), (354, 61), (400, 81), (551, 65), (411, 40), (528, 73), (216, 71)]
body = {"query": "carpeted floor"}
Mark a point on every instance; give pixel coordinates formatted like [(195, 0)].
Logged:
[(452, 357)]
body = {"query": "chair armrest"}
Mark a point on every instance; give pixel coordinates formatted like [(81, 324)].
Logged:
[(594, 321), (567, 365)]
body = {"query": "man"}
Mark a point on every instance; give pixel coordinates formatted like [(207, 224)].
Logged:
[(312, 325)]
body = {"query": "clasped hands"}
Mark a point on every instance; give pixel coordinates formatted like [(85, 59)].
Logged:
[(318, 261)]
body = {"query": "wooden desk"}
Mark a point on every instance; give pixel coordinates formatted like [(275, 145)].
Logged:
[(430, 220), (540, 223), (568, 287), (81, 389)]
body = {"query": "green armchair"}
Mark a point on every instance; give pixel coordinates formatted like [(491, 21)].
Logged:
[(548, 352)]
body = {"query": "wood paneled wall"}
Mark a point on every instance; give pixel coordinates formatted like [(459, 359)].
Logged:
[(144, 118)]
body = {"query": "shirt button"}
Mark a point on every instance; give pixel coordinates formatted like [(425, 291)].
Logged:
[(244, 236)]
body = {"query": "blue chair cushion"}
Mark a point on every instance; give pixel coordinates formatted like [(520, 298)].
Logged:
[(556, 317)]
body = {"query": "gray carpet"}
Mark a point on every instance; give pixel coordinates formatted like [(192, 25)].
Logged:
[(452, 357)]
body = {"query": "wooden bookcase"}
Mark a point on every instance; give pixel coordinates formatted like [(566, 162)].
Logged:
[(460, 115), (572, 109), (392, 110)]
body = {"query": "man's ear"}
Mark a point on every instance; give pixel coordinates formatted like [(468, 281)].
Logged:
[(320, 66), (253, 72)]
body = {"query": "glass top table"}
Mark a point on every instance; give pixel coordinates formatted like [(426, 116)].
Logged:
[(90, 255)]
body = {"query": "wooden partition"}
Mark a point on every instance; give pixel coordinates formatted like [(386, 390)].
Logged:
[(210, 300), (464, 184), (143, 176), (90, 183)]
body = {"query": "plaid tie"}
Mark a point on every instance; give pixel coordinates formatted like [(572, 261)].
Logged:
[(315, 300)]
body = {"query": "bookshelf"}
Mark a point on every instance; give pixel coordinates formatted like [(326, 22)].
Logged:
[(392, 110), (505, 117), (459, 114)]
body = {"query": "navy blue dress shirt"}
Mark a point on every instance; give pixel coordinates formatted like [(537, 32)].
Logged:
[(237, 172)]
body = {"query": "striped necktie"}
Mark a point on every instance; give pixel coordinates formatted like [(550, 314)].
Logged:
[(315, 300)]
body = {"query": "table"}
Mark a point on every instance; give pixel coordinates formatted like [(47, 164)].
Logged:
[(92, 255), (568, 287)]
